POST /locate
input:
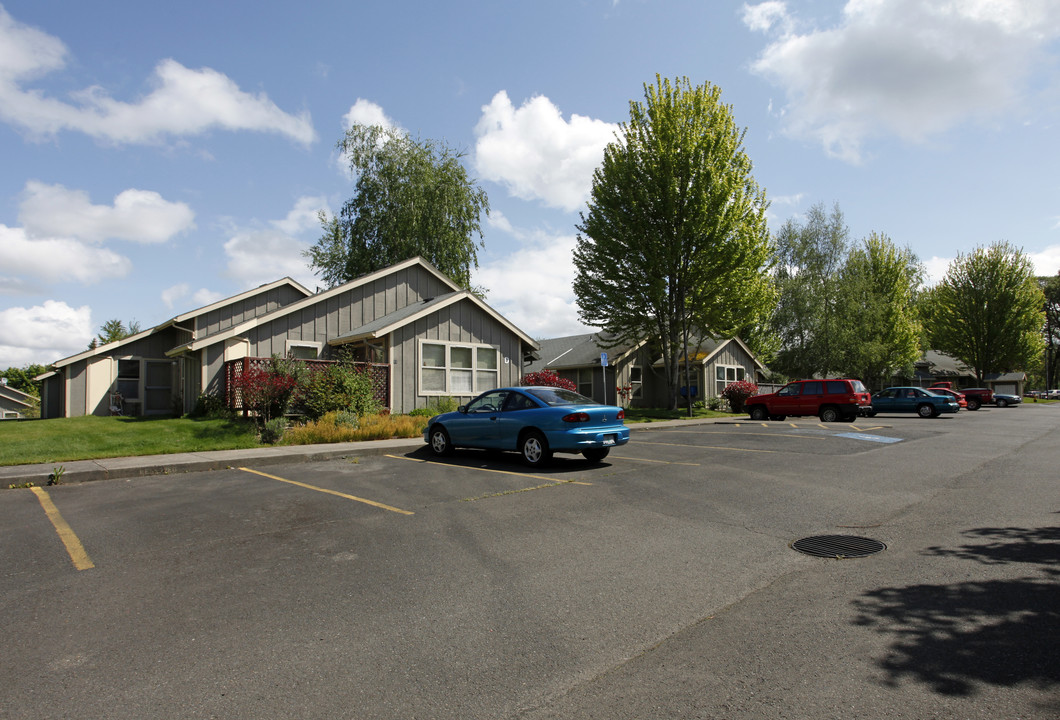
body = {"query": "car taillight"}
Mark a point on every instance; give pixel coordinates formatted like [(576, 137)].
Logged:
[(576, 417), (621, 415)]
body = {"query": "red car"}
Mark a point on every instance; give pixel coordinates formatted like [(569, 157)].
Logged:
[(831, 400), (958, 396)]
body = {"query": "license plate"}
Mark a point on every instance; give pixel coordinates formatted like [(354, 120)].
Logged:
[(609, 439)]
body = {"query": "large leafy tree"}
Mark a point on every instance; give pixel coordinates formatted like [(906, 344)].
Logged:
[(674, 245), (1051, 332), (988, 311), (877, 329), (413, 197), (809, 258)]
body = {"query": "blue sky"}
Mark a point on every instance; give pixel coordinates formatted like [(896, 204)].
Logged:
[(157, 157)]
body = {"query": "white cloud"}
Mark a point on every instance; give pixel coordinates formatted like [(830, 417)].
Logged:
[(1046, 263), (262, 256), (903, 67), (55, 260), (366, 112), (259, 255), (935, 269), (532, 287), (764, 16), (183, 101), (537, 154), (303, 216), (177, 293), (171, 295), (43, 333), (204, 297), (137, 215)]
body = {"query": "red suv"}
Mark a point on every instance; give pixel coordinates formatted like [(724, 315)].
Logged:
[(831, 400)]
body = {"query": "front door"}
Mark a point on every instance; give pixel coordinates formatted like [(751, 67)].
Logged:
[(159, 380)]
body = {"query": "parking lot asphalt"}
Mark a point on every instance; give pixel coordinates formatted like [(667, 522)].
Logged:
[(663, 582), (168, 464)]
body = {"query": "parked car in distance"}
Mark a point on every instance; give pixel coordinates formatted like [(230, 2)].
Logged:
[(831, 400), (533, 421), (923, 402), (1002, 400), (976, 397), (960, 397)]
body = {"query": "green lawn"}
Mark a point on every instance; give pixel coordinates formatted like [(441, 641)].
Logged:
[(86, 438)]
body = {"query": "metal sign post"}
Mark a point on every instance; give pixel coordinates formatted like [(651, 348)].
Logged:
[(603, 370)]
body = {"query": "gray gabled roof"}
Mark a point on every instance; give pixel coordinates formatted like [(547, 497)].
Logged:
[(110, 347), (17, 396), (575, 351)]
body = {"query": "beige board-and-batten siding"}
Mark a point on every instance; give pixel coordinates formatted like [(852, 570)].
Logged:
[(460, 323)]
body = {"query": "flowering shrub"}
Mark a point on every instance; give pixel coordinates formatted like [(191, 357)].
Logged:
[(624, 393), (738, 392), (268, 391), (550, 379)]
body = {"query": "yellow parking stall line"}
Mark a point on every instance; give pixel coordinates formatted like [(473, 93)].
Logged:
[(373, 503), (707, 447), (66, 534), (502, 472)]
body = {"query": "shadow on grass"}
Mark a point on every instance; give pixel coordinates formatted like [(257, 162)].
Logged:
[(997, 632)]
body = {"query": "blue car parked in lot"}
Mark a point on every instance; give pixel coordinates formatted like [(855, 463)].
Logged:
[(923, 402), (533, 421)]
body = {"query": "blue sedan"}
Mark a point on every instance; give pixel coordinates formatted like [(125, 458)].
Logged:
[(534, 421), (923, 402)]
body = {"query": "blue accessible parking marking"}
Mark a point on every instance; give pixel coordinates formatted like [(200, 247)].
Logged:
[(870, 438)]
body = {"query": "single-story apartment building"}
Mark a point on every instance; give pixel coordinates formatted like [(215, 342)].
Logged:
[(15, 404), (421, 334), (637, 370), (935, 366)]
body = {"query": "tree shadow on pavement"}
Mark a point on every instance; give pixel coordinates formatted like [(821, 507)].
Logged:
[(1000, 632)]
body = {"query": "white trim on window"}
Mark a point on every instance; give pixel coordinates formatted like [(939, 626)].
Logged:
[(299, 348), (725, 374), (456, 368)]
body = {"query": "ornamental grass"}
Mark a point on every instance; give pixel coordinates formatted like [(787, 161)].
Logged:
[(331, 428)]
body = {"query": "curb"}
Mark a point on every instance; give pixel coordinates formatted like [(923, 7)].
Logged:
[(80, 471)]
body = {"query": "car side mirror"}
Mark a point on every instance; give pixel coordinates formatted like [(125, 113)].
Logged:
[(462, 409)]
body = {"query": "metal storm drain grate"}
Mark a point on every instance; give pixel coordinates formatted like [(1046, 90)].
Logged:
[(838, 546)]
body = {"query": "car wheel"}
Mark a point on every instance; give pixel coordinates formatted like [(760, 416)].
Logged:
[(1001, 403), (758, 412), (534, 449), (440, 444), (596, 455), (974, 404), (830, 414), (926, 411)]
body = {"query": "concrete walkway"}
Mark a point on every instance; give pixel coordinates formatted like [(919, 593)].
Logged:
[(76, 471)]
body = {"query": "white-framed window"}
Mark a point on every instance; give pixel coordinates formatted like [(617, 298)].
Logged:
[(636, 380), (459, 369), (585, 382), (725, 374), (303, 349)]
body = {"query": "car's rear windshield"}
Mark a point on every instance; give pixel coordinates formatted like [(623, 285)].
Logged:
[(859, 387), (558, 396)]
